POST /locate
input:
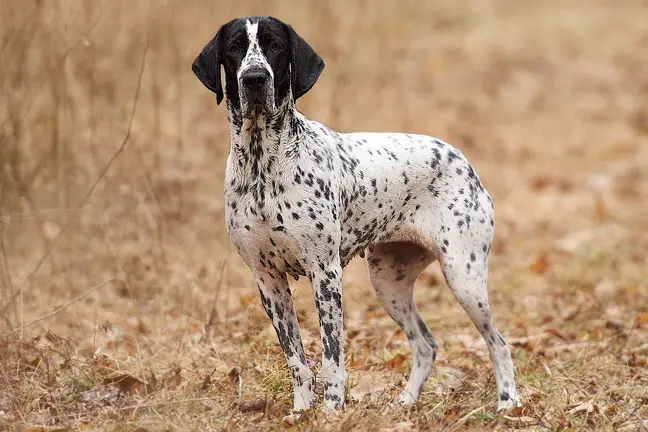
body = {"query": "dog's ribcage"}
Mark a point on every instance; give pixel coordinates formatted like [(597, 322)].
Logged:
[(294, 201)]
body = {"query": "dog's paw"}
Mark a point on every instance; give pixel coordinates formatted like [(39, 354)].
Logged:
[(406, 398), (292, 419), (506, 405)]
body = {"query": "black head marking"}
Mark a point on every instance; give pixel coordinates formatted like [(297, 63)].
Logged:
[(305, 65), (284, 50), (207, 66)]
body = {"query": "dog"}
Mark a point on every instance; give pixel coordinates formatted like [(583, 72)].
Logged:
[(303, 200)]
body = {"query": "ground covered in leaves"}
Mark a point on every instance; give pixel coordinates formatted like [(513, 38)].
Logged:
[(123, 307)]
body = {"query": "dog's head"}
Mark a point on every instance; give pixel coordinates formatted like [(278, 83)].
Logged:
[(264, 61)]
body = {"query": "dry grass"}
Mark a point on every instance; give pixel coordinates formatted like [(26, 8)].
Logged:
[(111, 166)]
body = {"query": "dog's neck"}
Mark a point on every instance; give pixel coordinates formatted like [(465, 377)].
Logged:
[(264, 148)]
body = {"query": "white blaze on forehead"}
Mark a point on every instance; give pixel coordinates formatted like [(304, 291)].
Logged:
[(254, 56), (252, 29)]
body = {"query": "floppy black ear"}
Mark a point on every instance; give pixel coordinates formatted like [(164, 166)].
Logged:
[(207, 66), (305, 65)]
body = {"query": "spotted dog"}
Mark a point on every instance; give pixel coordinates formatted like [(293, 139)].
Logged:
[(303, 200)]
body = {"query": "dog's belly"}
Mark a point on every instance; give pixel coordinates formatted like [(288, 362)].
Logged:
[(377, 227)]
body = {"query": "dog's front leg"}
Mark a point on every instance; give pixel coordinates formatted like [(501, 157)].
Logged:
[(278, 304), (327, 284)]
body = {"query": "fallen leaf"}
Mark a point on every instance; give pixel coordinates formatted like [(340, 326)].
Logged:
[(642, 319), (233, 375), (126, 384), (540, 182), (247, 300), (207, 380), (556, 333), (254, 405), (451, 414), (615, 325), (588, 407), (637, 362), (611, 410), (520, 410), (396, 362), (540, 265), (172, 379), (355, 363)]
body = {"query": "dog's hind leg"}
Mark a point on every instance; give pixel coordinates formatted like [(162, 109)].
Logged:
[(393, 269), (464, 244)]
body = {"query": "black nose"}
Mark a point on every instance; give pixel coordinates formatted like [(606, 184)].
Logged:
[(256, 79)]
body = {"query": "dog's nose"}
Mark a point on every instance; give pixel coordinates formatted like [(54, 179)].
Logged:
[(256, 79)]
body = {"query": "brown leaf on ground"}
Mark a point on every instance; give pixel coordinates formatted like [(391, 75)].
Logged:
[(396, 362), (234, 374), (126, 384), (558, 334), (611, 410), (540, 182), (359, 362), (104, 366), (172, 379), (642, 320), (540, 264), (615, 325), (254, 405), (207, 381), (451, 414), (636, 362), (522, 410), (588, 407), (247, 300)]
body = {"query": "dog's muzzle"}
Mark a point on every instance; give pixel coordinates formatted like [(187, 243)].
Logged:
[(255, 85)]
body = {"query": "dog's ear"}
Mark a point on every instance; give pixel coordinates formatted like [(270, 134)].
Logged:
[(305, 65), (207, 66)]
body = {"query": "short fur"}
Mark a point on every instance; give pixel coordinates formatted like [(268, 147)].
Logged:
[(303, 200)]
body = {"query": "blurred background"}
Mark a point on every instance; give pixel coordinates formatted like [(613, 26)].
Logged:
[(112, 156)]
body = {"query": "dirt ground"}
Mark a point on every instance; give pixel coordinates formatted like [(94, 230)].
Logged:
[(123, 306)]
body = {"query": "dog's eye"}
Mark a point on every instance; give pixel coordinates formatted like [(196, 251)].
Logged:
[(275, 46), (234, 49)]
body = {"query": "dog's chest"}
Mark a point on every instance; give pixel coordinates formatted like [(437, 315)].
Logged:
[(266, 235)]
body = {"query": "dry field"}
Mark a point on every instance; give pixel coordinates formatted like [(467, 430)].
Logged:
[(123, 307)]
